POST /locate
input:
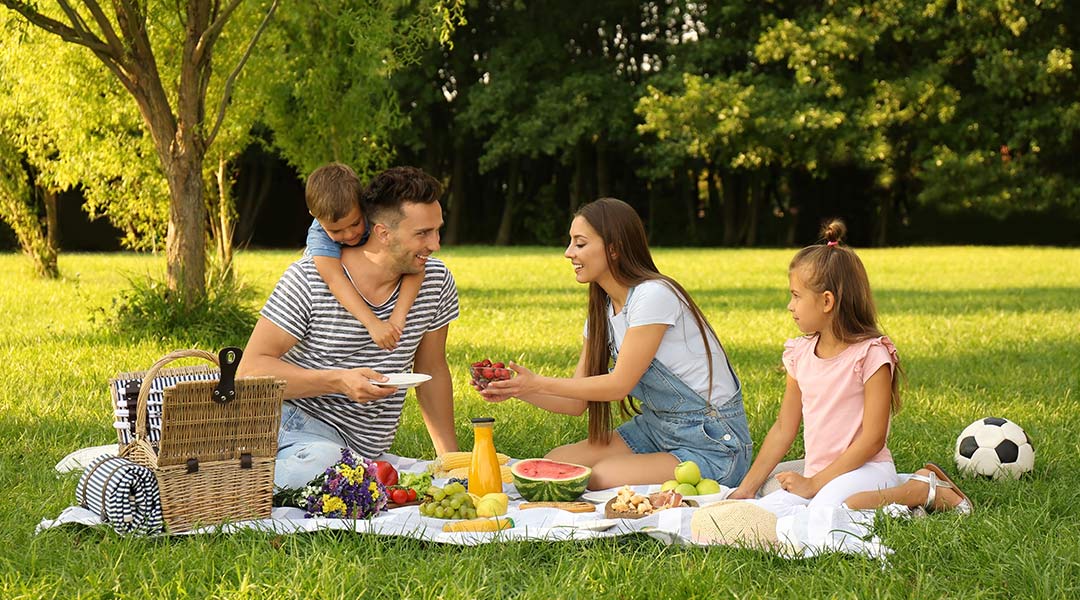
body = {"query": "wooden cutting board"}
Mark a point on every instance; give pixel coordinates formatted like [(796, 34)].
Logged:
[(574, 507)]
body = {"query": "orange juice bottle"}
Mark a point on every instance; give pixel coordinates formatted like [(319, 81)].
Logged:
[(484, 474)]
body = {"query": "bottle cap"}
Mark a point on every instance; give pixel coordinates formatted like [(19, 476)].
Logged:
[(483, 420)]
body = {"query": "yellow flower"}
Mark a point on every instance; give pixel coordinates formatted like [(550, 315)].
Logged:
[(332, 504), (350, 474)]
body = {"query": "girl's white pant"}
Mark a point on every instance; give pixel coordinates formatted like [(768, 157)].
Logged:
[(867, 478)]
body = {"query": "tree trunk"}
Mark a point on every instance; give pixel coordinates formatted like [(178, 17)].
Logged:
[(884, 217), (713, 215), (223, 226), (52, 223), (650, 224), (185, 244), (580, 194), (731, 187), (456, 206), (757, 188), (688, 191), (502, 238)]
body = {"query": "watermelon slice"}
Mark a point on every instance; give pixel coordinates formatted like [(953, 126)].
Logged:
[(542, 480)]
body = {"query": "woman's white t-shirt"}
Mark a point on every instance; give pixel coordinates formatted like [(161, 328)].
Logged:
[(682, 349)]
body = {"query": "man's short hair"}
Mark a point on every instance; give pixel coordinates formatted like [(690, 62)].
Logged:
[(332, 192), (389, 190)]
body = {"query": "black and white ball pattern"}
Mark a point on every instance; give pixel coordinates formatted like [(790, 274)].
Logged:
[(994, 447)]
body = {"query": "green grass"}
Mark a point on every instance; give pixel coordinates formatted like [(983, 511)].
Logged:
[(981, 331)]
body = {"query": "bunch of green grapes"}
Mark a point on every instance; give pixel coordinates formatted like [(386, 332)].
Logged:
[(449, 502)]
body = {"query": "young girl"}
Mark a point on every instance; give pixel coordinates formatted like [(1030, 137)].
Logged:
[(841, 382), (666, 355)]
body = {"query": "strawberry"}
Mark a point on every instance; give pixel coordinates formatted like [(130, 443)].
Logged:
[(502, 373), (485, 363), (487, 373), (498, 365)]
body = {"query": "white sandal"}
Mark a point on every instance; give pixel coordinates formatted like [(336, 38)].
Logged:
[(935, 479)]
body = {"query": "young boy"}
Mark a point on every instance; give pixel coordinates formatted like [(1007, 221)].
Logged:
[(333, 198)]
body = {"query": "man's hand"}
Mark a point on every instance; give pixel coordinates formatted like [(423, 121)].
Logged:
[(356, 384)]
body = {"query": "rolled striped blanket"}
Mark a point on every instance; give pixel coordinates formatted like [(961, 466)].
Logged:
[(124, 494)]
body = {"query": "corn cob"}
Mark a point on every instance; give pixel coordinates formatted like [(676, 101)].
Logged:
[(463, 473), (458, 473), (455, 460), (452, 460)]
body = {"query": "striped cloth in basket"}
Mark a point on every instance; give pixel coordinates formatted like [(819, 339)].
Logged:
[(124, 494), (124, 390)]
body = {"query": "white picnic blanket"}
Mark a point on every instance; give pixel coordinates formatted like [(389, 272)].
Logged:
[(805, 534)]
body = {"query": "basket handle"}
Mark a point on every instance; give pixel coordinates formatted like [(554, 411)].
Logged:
[(141, 424)]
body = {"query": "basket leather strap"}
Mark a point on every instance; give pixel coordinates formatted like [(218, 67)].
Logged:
[(228, 359)]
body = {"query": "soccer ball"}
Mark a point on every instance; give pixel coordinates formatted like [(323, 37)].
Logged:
[(994, 447)]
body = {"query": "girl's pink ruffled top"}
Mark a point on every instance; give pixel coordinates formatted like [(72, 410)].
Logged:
[(833, 394)]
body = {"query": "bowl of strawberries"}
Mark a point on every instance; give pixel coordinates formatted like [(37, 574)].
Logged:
[(485, 371)]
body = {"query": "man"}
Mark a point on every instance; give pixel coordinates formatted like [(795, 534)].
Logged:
[(328, 358)]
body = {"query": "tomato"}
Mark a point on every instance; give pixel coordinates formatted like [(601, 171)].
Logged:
[(399, 496), (412, 494), (385, 473)]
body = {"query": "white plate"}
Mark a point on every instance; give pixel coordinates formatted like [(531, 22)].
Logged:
[(599, 497), (403, 380)]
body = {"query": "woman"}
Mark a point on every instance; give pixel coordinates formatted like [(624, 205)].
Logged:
[(666, 357)]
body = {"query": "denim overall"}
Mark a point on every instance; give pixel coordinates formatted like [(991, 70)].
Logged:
[(677, 420)]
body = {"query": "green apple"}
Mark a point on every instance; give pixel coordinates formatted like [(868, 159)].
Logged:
[(668, 485), (688, 472), (685, 489), (708, 486)]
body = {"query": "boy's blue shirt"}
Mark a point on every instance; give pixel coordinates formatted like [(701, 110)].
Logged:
[(320, 244)]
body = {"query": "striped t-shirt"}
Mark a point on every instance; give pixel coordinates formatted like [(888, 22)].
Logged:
[(329, 337)]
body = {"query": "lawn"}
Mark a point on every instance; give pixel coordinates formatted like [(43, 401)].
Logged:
[(981, 331)]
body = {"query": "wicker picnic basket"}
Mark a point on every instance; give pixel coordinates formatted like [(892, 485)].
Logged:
[(215, 459)]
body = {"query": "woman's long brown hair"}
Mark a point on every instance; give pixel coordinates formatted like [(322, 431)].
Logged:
[(837, 269), (630, 262)]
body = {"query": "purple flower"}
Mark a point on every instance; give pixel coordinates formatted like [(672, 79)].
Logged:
[(348, 489)]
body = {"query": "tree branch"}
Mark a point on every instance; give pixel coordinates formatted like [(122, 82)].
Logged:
[(102, 21), (74, 35), (78, 33), (132, 21), (226, 94), (208, 37)]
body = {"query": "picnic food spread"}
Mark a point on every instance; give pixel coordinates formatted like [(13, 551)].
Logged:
[(543, 480), (628, 504)]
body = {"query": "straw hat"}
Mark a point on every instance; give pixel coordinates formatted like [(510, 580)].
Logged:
[(734, 522)]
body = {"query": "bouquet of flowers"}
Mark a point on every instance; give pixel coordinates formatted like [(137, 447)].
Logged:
[(347, 490)]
